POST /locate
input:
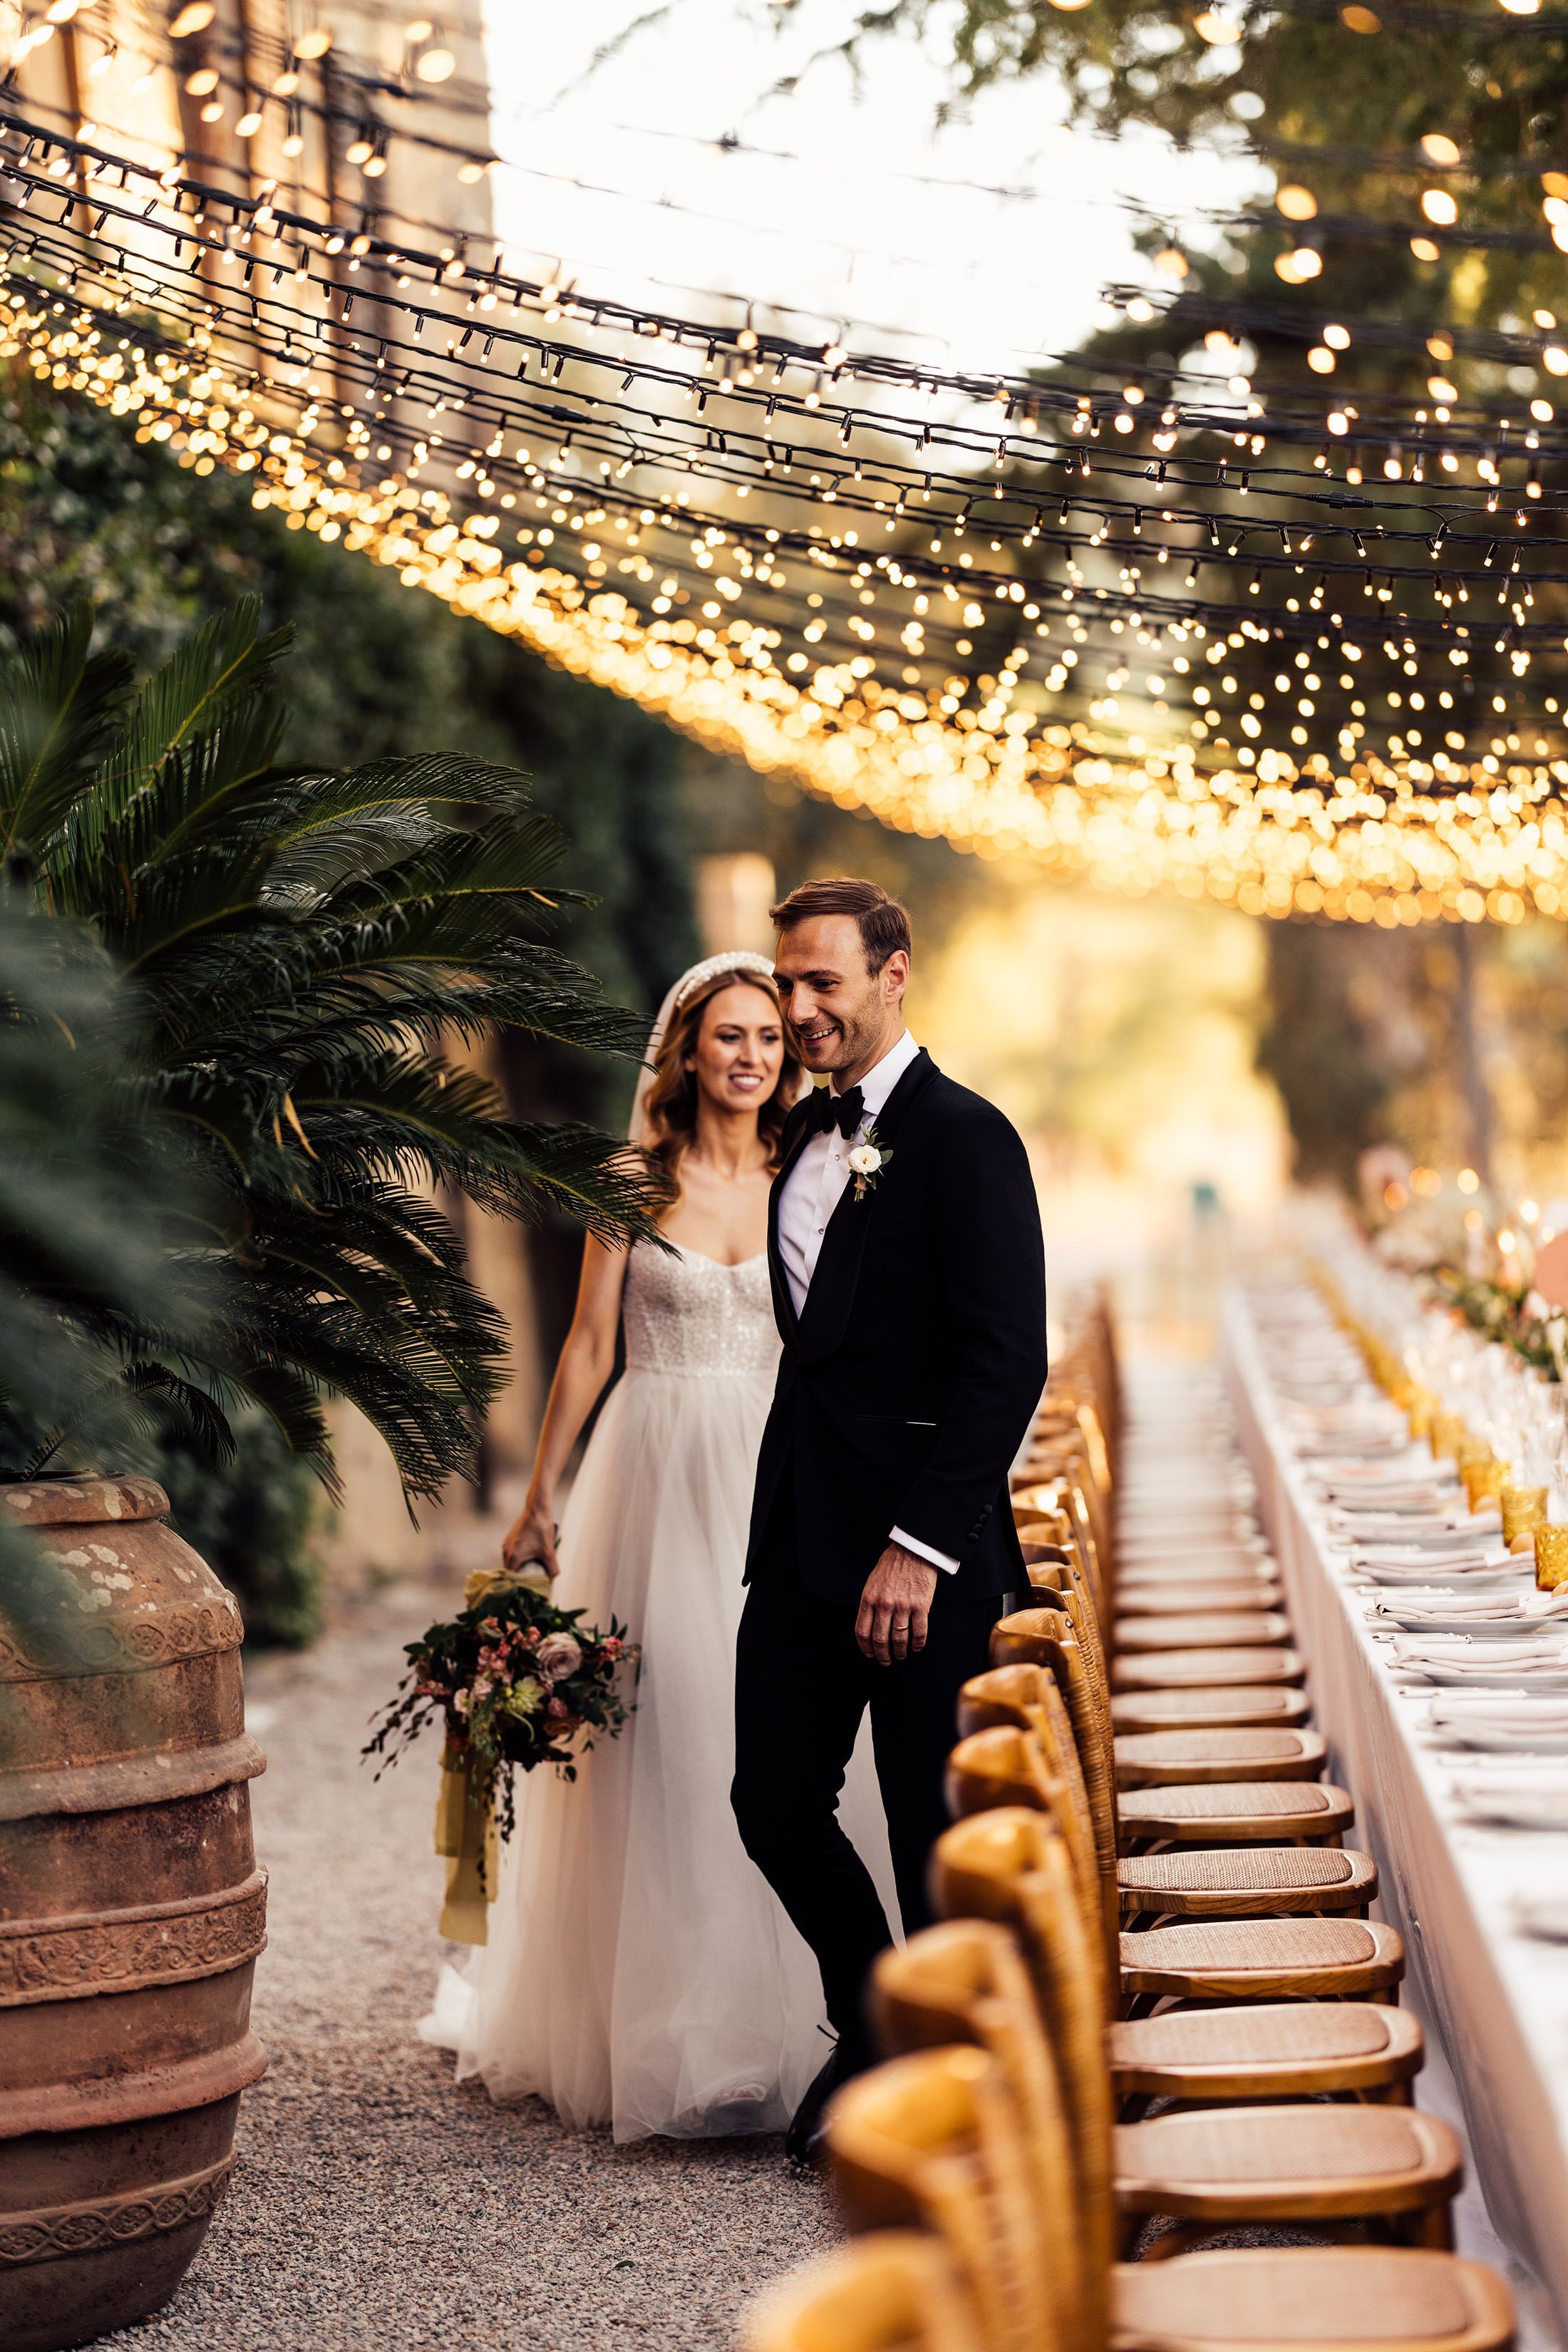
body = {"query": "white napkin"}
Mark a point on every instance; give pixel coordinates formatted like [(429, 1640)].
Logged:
[(1454, 1653), (1436, 1530), (1527, 1607), (1491, 1716)]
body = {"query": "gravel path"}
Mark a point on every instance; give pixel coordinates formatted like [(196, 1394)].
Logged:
[(376, 2203)]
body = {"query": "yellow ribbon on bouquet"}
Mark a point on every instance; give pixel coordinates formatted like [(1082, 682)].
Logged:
[(465, 1801)]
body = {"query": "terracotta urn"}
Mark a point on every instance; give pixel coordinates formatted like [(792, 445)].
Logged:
[(132, 1910)]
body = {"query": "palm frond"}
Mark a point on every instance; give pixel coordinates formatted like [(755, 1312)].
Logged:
[(223, 664), (60, 704), (295, 952)]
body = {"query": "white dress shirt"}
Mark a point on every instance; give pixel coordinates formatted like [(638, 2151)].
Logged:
[(813, 1190)]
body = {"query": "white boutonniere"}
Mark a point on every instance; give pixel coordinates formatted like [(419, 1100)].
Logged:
[(867, 1160)]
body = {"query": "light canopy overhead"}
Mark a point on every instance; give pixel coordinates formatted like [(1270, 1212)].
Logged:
[(1159, 626)]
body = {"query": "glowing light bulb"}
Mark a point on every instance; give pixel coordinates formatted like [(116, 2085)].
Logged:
[(436, 65)]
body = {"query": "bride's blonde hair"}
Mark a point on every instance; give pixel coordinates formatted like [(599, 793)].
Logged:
[(671, 1107)]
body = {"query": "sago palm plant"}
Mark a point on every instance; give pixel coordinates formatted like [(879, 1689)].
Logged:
[(102, 1318), (307, 954)]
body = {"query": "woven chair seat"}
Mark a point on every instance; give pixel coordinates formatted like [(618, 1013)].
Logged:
[(1173, 1596), (1288, 2163), (1247, 1882), (1216, 1959), (1214, 1630), (1237, 1812), (1204, 1669), (1270, 2300), (1208, 1708), (1285, 2049), (1148, 1759)]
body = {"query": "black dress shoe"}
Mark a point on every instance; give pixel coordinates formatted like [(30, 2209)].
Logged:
[(804, 2141)]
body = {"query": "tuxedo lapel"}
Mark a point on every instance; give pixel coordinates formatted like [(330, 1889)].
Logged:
[(797, 1133), (822, 1322)]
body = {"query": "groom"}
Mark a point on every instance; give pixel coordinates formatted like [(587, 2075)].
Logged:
[(909, 1286)]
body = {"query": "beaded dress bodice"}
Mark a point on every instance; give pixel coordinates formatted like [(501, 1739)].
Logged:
[(688, 1313)]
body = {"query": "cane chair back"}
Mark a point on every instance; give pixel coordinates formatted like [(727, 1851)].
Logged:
[(896, 2291), (966, 1981), (1011, 1866), (1028, 1698), (1006, 1765), (935, 2138), (1045, 1637), (1095, 1447)]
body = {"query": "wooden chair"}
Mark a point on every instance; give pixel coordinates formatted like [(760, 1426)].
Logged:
[(1263, 1959), (1176, 1596), (1215, 2167), (1371, 2299), (936, 2139), (1207, 1669), (966, 1981), (978, 1868), (1239, 1813), (1201, 1629), (1360, 2049), (895, 2291), (998, 1767), (1040, 1637), (1318, 2165), (1208, 1708), (1151, 1760), (1247, 1882)]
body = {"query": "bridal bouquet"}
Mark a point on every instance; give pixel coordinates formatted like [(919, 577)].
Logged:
[(516, 1681)]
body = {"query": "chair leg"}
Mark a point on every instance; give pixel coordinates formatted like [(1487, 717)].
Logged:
[(1432, 2229)]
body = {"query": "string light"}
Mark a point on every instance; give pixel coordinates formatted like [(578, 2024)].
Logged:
[(674, 596)]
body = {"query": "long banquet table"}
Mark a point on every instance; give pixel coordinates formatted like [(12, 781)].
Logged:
[(1493, 2001)]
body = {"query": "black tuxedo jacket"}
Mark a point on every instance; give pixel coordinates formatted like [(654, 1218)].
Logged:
[(908, 1382)]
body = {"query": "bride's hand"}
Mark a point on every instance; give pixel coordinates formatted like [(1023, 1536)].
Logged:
[(531, 1538)]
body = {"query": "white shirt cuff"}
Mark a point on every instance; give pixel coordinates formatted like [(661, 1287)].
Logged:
[(923, 1551)]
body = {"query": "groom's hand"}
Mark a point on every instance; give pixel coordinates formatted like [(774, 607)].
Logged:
[(894, 1606)]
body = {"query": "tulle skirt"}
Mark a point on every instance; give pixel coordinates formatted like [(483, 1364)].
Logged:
[(639, 1970)]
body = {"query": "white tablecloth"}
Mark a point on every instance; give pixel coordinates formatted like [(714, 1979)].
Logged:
[(1494, 2003)]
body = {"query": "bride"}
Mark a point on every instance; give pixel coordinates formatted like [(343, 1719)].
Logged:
[(640, 1972)]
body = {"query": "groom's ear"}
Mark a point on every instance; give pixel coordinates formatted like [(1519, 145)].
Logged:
[(895, 974)]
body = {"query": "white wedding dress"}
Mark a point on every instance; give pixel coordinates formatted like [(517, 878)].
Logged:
[(639, 1970)]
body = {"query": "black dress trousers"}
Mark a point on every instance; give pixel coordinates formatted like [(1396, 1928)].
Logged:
[(802, 1687)]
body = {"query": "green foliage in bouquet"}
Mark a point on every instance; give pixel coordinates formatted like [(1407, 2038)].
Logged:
[(515, 1681), (1500, 1311)]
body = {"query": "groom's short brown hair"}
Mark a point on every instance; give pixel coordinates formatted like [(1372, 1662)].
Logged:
[(884, 924)]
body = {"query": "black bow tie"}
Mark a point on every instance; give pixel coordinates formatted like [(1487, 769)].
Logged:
[(843, 1111)]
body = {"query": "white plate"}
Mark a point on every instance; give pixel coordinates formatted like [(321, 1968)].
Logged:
[(1516, 1804), (1482, 1676), (1434, 1576), (1542, 1915), (1484, 1629)]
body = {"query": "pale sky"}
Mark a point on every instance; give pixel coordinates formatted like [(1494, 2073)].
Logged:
[(838, 218)]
